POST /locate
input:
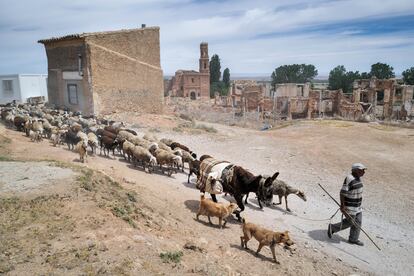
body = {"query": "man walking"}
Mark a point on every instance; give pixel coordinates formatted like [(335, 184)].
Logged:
[(351, 199)]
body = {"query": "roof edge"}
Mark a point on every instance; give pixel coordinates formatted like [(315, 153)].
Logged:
[(83, 35)]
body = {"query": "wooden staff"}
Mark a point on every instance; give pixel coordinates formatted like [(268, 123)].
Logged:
[(349, 217)]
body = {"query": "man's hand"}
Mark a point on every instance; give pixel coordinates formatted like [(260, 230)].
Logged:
[(343, 210)]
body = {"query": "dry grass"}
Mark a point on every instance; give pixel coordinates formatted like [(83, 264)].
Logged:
[(4, 152), (30, 227)]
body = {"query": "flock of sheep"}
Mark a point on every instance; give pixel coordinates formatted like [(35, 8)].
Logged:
[(81, 134)]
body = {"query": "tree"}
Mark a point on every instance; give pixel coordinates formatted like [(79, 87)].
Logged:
[(365, 75), (408, 76), (219, 87), (294, 73), (215, 67), (339, 78), (382, 71), (226, 77)]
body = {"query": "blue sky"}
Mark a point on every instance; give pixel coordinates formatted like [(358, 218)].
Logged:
[(251, 37)]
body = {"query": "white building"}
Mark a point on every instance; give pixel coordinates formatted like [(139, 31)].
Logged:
[(19, 87)]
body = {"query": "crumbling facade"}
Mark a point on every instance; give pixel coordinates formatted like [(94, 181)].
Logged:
[(192, 84), (246, 95), (103, 72), (372, 98), (389, 98)]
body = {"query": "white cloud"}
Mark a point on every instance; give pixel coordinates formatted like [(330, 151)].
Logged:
[(249, 36)]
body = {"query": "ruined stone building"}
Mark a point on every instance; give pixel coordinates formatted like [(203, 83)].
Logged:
[(292, 90), (371, 98), (389, 98), (190, 83), (103, 72), (246, 95)]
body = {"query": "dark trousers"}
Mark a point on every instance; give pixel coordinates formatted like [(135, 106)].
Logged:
[(346, 223)]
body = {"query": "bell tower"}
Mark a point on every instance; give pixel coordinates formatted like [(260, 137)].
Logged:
[(204, 59)]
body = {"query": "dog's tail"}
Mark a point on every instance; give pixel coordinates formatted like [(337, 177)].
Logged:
[(243, 220), (202, 197)]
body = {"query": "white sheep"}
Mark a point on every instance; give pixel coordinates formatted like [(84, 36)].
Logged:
[(37, 126), (125, 135), (93, 142), (150, 137), (127, 149), (167, 158), (83, 136), (143, 156), (35, 136), (56, 139)]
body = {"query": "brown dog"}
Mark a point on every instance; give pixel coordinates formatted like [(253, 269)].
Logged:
[(211, 209), (264, 237)]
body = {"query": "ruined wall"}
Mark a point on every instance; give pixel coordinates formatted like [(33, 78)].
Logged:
[(125, 71), (292, 90)]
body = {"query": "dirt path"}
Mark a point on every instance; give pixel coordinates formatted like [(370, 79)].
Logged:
[(305, 154)]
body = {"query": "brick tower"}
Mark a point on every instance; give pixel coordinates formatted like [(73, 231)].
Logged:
[(204, 71)]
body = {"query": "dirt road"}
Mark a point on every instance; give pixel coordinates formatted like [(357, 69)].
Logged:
[(305, 153)]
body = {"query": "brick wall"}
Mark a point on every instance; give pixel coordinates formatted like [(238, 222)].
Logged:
[(125, 73)]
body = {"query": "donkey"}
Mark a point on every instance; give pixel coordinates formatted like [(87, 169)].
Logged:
[(243, 182)]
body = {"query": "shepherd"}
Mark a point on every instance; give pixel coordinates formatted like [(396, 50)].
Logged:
[(351, 201)]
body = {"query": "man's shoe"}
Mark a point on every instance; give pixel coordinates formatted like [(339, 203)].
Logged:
[(329, 231), (357, 242)]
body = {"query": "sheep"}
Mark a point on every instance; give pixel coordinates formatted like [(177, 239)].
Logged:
[(38, 127), (143, 156), (28, 127), (167, 141), (167, 158), (47, 127), (19, 122), (187, 158), (55, 138), (106, 133), (93, 142), (35, 136), (124, 135), (133, 132), (127, 149), (139, 142), (150, 137), (163, 146), (83, 136), (117, 126), (111, 129), (75, 127), (10, 120), (71, 139), (178, 145), (81, 148), (107, 143)]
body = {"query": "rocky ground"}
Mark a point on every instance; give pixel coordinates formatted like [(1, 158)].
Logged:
[(106, 217)]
